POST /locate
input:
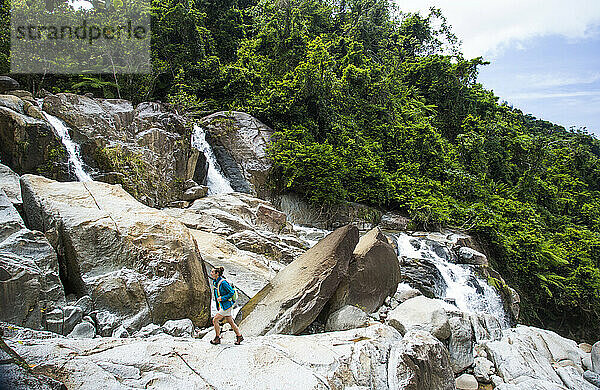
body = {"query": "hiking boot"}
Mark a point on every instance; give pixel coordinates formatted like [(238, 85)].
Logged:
[(216, 340), (239, 340)]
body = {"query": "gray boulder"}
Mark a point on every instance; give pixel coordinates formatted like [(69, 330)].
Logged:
[(298, 293), (239, 142), (423, 313), (140, 265), (179, 328), (83, 330), (348, 317), (194, 193), (419, 361), (72, 316), (373, 274), (423, 275)]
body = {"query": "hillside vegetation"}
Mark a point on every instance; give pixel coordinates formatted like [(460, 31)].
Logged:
[(374, 106)]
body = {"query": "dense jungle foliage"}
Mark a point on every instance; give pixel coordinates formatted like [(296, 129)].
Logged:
[(374, 106)]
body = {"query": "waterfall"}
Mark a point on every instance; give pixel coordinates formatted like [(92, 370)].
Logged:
[(216, 182), (72, 148), (470, 293)]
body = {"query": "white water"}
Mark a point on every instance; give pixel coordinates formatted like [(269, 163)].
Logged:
[(470, 293), (216, 182), (311, 235), (72, 148)]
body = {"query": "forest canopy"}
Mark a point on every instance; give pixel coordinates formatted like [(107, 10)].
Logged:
[(376, 106)]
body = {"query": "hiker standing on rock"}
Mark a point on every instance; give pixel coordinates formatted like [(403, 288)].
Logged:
[(223, 293)]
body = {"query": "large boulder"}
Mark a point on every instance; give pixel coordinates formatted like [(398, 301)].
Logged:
[(420, 361), (135, 262), (29, 277), (28, 144), (8, 84), (296, 296), (373, 274), (145, 148), (535, 354), (239, 142), (423, 313)]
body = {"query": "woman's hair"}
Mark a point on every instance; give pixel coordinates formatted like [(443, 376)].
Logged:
[(220, 271)]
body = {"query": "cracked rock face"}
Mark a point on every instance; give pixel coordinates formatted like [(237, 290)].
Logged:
[(135, 262), (355, 358), (240, 144), (29, 282), (145, 148)]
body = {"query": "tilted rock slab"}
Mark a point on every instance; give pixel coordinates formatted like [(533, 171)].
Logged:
[(134, 261), (298, 293), (373, 274), (29, 281), (376, 357)]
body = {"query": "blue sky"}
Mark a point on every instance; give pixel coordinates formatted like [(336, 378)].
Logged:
[(545, 55)]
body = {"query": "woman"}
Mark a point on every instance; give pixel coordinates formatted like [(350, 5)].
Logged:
[(223, 293)]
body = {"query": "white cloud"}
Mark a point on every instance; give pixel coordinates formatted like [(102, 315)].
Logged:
[(555, 95), (487, 27), (556, 79)]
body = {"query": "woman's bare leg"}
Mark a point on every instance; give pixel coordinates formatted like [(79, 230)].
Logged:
[(216, 320), (233, 325)]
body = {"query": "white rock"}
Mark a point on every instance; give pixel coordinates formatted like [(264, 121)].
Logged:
[(466, 382), (483, 369), (424, 313)]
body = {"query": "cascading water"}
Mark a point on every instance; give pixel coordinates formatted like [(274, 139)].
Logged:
[(469, 293), (72, 148), (216, 182)]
